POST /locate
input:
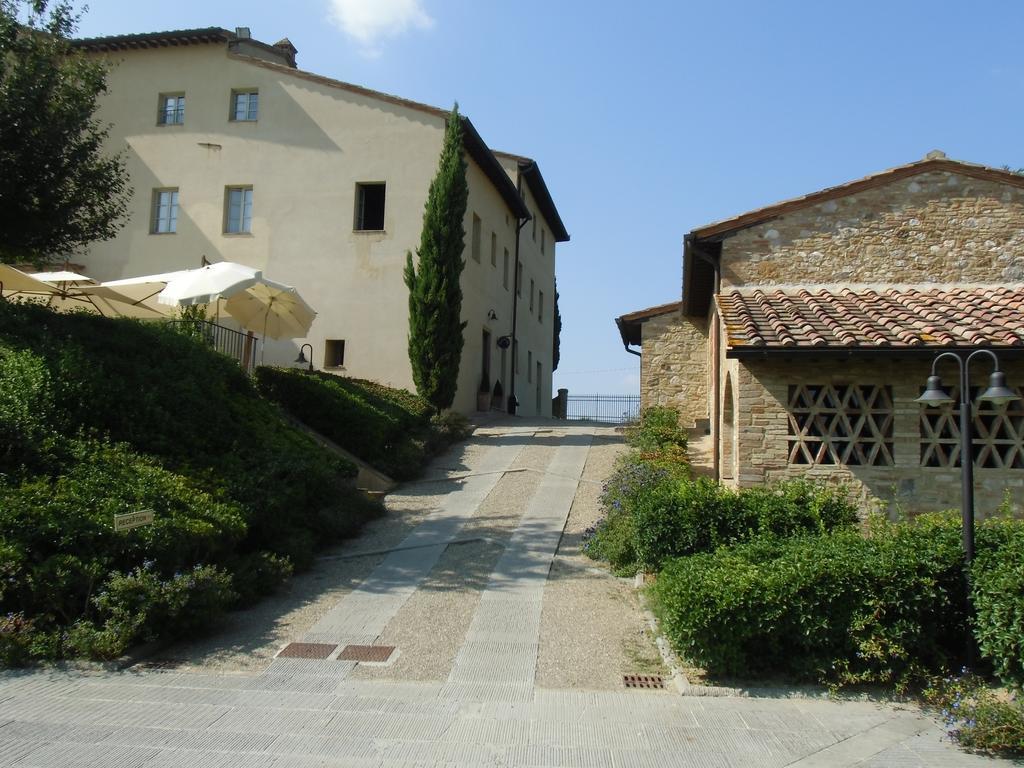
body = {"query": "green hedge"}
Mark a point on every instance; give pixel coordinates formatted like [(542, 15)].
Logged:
[(840, 607), (392, 429), (101, 416), (331, 409), (654, 513), (998, 597)]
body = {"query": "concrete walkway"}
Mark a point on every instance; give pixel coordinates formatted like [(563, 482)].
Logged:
[(487, 712)]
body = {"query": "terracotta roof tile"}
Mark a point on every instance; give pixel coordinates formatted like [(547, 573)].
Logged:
[(874, 318)]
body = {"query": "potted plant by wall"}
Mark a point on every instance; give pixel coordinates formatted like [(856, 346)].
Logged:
[(483, 395), (497, 396)]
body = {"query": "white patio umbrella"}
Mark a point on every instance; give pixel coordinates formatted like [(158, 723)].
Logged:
[(275, 309), (206, 285), (255, 302)]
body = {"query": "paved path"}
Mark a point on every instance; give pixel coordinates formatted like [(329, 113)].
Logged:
[(488, 712)]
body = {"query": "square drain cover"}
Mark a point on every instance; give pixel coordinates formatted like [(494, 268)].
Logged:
[(377, 653), (307, 650), (643, 681)]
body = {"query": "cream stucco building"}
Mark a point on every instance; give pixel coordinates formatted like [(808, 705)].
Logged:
[(235, 154)]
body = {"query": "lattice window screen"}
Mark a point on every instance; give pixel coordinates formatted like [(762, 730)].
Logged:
[(840, 424), (998, 434)]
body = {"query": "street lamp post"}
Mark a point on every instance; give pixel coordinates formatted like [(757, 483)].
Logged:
[(997, 393)]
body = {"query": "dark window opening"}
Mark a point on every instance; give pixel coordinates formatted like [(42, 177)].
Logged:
[(370, 207), (334, 353)]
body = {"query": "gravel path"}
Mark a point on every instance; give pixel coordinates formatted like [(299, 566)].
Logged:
[(431, 626), (592, 627)]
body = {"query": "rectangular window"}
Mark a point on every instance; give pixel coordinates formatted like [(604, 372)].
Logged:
[(531, 295), (543, 239), (245, 106), (494, 249), (238, 210), (334, 353), (504, 272), (533, 216), (172, 109), (164, 219), (370, 207), (998, 434), (529, 366), (540, 307), (519, 279), (841, 424), (475, 246)]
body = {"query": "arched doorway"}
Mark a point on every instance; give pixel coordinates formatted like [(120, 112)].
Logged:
[(727, 434)]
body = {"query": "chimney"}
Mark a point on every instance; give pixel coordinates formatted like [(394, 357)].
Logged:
[(243, 33), (284, 45)]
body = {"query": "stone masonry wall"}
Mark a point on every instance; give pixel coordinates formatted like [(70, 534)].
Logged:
[(762, 429), (933, 227), (674, 365)]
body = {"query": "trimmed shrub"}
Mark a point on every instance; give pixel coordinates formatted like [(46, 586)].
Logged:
[(392, 429), (330, 409), (668, 515), (839, 607), (997, 580)]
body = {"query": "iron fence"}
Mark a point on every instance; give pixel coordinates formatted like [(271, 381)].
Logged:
[(241, 347), (614, 409)]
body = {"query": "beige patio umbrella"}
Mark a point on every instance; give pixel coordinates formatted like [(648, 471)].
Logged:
[(20, 286), (275, 309)]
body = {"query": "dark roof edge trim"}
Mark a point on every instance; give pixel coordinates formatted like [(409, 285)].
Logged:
[(535, 180)]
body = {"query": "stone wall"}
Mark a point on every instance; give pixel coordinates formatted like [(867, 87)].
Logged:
[(933, 227), (762, 428), (674, 365)]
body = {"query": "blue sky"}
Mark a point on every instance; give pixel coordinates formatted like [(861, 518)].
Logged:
[(652, 118)]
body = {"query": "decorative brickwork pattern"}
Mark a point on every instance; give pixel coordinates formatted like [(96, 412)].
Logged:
[(998, 434), (840, 424)]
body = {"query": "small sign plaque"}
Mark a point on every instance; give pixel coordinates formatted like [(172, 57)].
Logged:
[(133, 519)]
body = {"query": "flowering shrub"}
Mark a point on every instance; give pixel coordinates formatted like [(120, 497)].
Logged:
[(976, 716)]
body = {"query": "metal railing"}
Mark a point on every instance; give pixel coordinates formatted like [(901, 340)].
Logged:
[(613, 409), (240, 347)]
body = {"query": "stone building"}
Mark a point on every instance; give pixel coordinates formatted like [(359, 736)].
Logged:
[(808, 328), (237, 154)]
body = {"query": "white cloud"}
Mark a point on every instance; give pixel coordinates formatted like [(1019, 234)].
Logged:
[(370, 21)]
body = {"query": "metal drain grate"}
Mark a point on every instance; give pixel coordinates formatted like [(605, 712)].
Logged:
[(307, 651), (371, 653), (643, 681)]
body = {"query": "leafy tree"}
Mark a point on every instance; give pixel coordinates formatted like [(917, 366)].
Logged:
[(556, 347), (435, 295), (58, 190)]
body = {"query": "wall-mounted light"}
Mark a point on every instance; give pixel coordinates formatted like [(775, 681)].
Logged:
[(492, 315), (301, 359)]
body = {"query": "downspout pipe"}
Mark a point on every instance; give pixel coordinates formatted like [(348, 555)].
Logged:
[(513, 403)]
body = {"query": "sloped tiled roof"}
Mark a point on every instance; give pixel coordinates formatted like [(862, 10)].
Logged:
[(874, 318)]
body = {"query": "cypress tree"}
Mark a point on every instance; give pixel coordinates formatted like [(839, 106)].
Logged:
[(435, 295), (556, 346)]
